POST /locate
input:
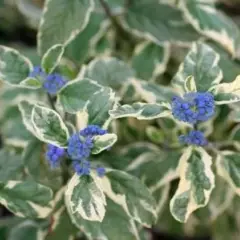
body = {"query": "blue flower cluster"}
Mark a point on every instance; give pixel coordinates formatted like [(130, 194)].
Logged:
[(194, 137), (52, 83), (54, 154), (193, 107), (79, 149)]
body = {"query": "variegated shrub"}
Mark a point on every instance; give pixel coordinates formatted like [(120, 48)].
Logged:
[(129, 121)]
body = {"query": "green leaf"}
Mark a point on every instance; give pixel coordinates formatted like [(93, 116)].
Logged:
[(155, 135), (141, 111), (62, 227), (225, 227), (49, 126), (37, 167), (14, 67), (75, 95), (103, 142), (84, 198), (196, 183), (152, 92), (11, 166), (226, 93), (81, 48), (109, 72), (158, 22), (26, 199), (150, 60), (99, 105), (202, 64), (134, 197), (62, 21), (228, 167), (207, 20), (121, 226), (52, 58)]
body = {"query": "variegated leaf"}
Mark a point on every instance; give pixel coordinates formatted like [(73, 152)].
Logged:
[(122, 227), (206, 19), (82, 47), (157, 59), (11, 166), (128, 192), (226, 93), (31, 83), (52, 58), (14, 67), (13, 130), (158, 22), (229, 66), (85, 199), (156, 168), (103, 142), (99, 105), (196, 183), (221, 199), (26, 108), (190, 84), (62, 227), (49, 126), (26, 198), (161, 196), (141, 111), (25, 230), (76, 94), (228, 167), (202, 64), (62, 21), (235, 134), (152, 92), (109, 72), (37, 167)]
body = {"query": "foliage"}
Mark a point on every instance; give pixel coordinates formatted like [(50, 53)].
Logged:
[(130, 120)]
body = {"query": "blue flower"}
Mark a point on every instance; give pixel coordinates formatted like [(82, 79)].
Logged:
[(193, 107), (37, 72), (92, 130), (53, 83), (100, 171), (79, 149), (54, 154), (194, 137), (82, 167)]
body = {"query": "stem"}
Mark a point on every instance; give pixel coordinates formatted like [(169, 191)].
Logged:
[(65, 173), (127, 4), (121, 31), (109, 14), (51, 101)]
